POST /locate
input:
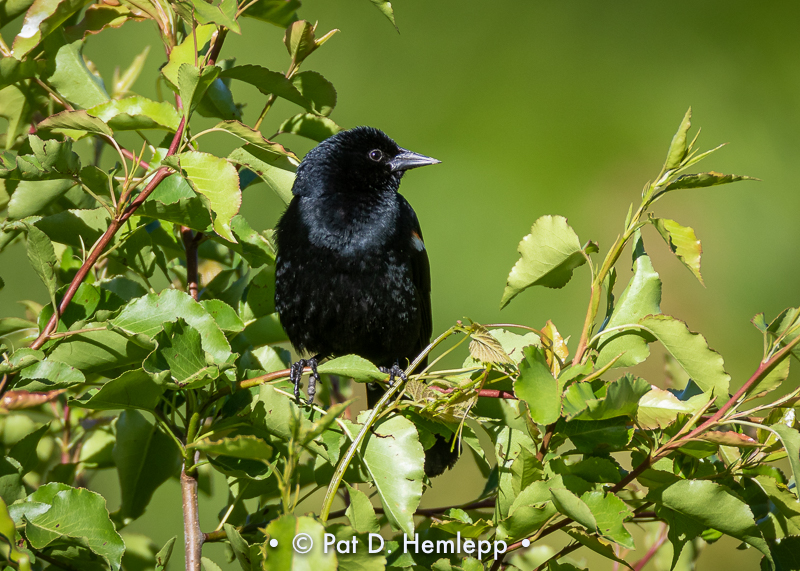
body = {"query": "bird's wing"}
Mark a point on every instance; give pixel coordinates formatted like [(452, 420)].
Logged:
[(421, 276)]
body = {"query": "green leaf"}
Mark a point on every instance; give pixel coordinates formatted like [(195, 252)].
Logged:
[(71, 226), (180, 358), (255, 248), (42, 258), (24, 451), (218, 181), (691, 351), (98, 351), (145, 458), (56, 515), (267, 82), (224, 14), (14, 71), (354, 367), (301, 41), (240, 547), (11, 9), (21, 358), (593, 436), (284, 558), (41, 19), (163, 556), (75, 121), (310, 126), (573, 507), (484, 347), (317, 90), (730, 515), (622, 399), (68, 75), (256, 139), (678, 148), (659, 408), (393, 457), (385, 8), (360, 512), (131, 390), (48, 375), (241, 446), (148, 314), (193, 82), (16, 105), (641, 297), (174, 201), (683, 242), (97, 18), (50, 160), (790, 438), (537, 387), (137, 113), (279, 12), (185, 51), (548, 255), (224, 315), (704, 179), (275, 170), (596, 545), (609, 513)]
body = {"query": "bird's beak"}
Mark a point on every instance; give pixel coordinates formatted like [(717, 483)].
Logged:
[(409, 160)]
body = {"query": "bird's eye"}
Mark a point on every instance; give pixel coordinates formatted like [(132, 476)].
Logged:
[(376, 155)]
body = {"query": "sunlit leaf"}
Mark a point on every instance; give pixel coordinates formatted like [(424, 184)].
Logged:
[(68, 75), (317, 90), (310, 126), (352, 366), (678, 147), (704, 179), (41, 19), (137, 112), (683, 242), (537, 387)]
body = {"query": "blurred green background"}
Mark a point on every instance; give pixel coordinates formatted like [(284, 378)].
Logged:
[(546, 108)]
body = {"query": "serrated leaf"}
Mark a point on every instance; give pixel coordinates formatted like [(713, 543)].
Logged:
[(596, 545), (218, 181), (704, 179), (354, 367), (97, 18), (730, 515), (193, 82), (145, 458), (549, 254), (137, 113), (58, 513), (256, 139), (180, 358), (537, 387), (185, 51), (609, 513), (485, 348), (705, 366), (641, 297), (299, 40), (683, 242), (310, 126), (284, 558), (223, 14), (42, 18)]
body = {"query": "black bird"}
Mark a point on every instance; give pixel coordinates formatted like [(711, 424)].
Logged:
[(352, 274)]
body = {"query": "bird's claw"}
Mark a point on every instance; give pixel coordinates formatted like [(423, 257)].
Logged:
[(393, 372), (296, 375)]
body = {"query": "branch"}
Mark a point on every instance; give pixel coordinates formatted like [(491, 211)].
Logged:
[(428, 512), (639, 565), (191, 522), (488, 393), (106, 239), (190, 244)]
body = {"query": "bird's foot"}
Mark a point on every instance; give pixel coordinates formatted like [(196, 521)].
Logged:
[(296, 375), (393, 372)]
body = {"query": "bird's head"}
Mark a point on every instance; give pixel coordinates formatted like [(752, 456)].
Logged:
[(360, 160)]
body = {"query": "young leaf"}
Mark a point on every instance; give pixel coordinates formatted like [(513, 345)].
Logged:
[(309, 126), (180, 358), (790, 438), (704, 179), (218, 181), (299, 40), (683, 242), (76, 121), (678, 147), (609, 513), (659, 408), (537, 387), (704, 365), (641, 297), (122, 83), (386, 9), (548, 255), (163, 556)]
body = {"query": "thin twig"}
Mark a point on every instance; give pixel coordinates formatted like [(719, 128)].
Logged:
[(190, 243), (191, 522)]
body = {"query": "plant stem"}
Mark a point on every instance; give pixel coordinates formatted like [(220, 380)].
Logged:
[(106, 239), (190, 243), (193, 536)]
